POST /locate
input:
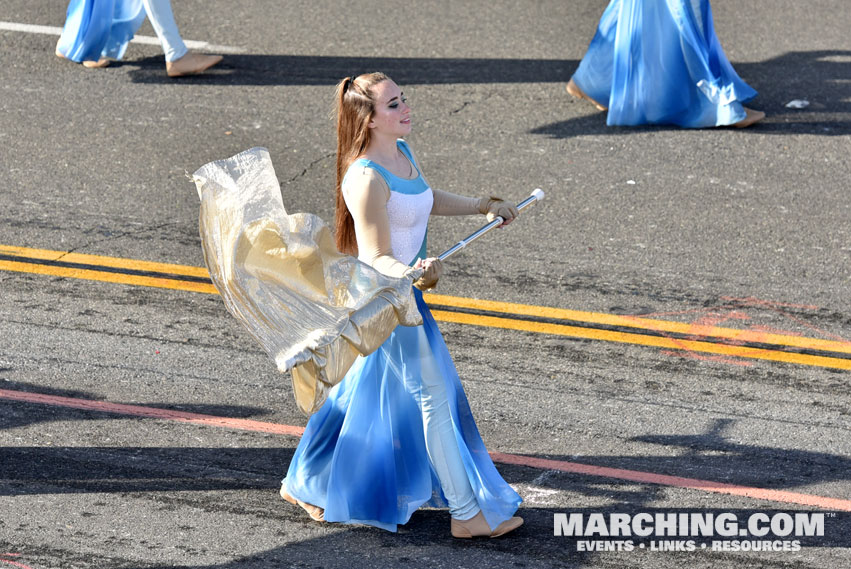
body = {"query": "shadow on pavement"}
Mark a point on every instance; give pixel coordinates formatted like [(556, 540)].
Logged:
[(195, 477), (425, 542), (819, 77), (707, 456), (29, 470), (324, 70)]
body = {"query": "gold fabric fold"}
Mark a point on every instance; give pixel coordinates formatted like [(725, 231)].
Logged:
[(313, 309)]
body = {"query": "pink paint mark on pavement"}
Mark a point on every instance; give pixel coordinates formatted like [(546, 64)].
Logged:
[(735, 309), (153, 413), (676, 481), (13, 563)]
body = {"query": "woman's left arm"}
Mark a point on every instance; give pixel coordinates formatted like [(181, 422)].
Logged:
[(447, 203)]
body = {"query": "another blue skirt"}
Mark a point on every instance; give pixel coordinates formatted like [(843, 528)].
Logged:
[(99, 28), (660, 62), (363, 456)]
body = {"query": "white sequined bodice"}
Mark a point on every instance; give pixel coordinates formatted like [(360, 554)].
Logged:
[(408, 208), (408, 214)]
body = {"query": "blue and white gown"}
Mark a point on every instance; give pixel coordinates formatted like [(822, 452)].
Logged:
[(99, 28), (660, 62), (363, 457)]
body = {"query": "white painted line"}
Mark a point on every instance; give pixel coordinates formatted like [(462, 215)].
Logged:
[(147, 40), (30, 28)]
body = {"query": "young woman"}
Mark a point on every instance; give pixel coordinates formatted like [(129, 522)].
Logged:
[(96, 31), (397, 432), (660, 62)]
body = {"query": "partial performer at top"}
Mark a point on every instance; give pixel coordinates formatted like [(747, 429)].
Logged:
[(660, 62), (97, 31)]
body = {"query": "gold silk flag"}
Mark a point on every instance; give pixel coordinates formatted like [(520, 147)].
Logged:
[(313, 309)]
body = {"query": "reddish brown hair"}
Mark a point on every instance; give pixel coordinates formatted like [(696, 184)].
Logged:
[(355, 105)]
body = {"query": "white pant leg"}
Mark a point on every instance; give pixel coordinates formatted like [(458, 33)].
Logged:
[(441, 444), (162, 19)]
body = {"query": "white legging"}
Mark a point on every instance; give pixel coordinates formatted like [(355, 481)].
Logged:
[(441, 444), (162, 19)]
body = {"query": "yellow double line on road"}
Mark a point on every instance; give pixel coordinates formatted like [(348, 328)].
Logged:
[(96, 268), (544, 320)]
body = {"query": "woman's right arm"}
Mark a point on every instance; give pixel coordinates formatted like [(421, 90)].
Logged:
[(366, 195)]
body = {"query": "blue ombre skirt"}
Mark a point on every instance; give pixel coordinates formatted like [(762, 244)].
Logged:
[(660, 62), (363, 456), (99, 28)]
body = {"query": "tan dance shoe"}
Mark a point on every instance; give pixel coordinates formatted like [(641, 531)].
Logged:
[(751, 117), (315, 512), (102, 62), (478, 527), (574, 91), (190, 64), (58, 53)]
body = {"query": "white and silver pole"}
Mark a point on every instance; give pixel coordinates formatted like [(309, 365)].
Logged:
[(536, 196)]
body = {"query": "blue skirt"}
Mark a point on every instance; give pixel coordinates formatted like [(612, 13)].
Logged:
[(99, 28), (363, 457), (660, 62)]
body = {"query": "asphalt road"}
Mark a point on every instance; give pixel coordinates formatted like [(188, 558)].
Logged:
[(746, 230)]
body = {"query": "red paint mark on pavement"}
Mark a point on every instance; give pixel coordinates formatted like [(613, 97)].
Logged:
[(712, 316), (563, 466), (153, 413), (676, 481), (10, 562), (695, 333)]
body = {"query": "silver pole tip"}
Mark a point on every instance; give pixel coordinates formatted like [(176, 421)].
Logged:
[(538, 194)]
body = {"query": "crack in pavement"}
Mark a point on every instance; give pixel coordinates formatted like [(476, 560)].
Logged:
[(311, 165), (117, 235)]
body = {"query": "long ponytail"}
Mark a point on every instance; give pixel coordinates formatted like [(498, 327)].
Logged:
[(355, 106)]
